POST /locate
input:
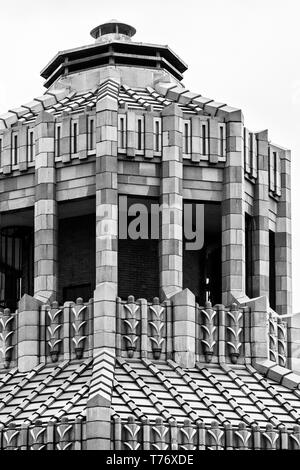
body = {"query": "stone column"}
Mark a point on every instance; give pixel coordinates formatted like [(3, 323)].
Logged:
[(233, 213), (294, 342), (28, 333), (259, 329), (261, 219), (45, 211), (99, 403), (170, 252), (184, 328), (106, 221), (283, 239)]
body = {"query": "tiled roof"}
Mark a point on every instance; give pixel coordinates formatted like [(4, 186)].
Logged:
[(228, 395), (47, 392), (150, 99), (151, 390)]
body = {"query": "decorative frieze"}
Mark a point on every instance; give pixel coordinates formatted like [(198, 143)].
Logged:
[(209, 331), (277, 329), (157, 324), (54, 328), (63, 435), (188, 436), (79, 324), (235, 316), (6, 337), (131, 323)]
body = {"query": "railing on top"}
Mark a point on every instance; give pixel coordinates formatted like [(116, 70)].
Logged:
[(65, 333), (146, 330), (62, 435), (146, 435)]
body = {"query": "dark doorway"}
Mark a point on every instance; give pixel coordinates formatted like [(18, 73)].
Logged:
[(202, 269)]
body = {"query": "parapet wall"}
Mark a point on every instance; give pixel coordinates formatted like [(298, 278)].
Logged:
[(177, 329)]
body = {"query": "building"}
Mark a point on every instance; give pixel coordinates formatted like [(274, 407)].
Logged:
[(181, 340)]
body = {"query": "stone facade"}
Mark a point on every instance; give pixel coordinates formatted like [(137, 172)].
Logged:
[(113, 125)]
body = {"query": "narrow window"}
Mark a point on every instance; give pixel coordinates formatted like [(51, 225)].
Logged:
[(277, 176), (221, 141), (57, 140), (157, 136), (272, 270), (91, 134), (204, 137), (245, 149), (140, 131), (30, 147), (186, 138), (249, 254), (249, 156), (253, 156), (122, 132), (15, 150), (272, 159), (0, 152), (75, 126)]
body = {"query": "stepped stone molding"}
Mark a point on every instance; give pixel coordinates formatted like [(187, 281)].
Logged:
[(36, 106)]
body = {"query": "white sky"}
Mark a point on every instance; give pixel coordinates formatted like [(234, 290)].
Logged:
[(241, 52)]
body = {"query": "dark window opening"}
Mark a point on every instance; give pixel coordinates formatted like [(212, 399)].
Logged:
[(186, 138), (58, 137), (122, 133), (16, 265), (30, 147), (76, 257), (204, 140), (157, 136), (72, 293), (202, 269), (138, 260), (221, 142), (92, 135), (272, 270), (75, 137), (140, 135), (249, 255), (15, 150)]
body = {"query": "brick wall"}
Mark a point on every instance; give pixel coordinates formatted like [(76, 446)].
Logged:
[(138, 269), (76, 256)]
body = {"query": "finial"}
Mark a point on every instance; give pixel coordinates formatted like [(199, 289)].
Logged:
[(113, 30)]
